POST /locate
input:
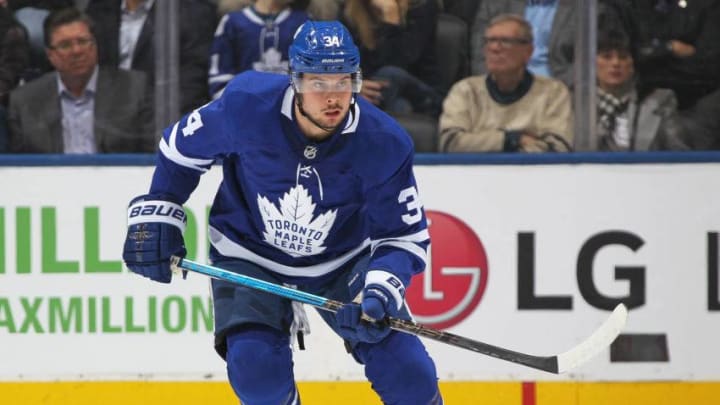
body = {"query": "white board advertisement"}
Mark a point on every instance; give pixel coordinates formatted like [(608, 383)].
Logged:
[(529, 258)]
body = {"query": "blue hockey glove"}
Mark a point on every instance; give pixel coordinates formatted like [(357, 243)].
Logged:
[(155, 228), (352, 327), (382, 297)]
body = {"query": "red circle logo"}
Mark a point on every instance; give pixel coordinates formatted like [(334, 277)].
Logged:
[(453, 283)]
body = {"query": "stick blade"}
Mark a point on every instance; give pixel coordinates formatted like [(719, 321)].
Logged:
[(596, 343)]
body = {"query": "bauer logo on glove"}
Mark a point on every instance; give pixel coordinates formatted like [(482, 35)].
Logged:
[(154, 235), (151, 210)]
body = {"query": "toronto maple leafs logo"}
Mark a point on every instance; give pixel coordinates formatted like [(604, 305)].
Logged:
[(292, 228)]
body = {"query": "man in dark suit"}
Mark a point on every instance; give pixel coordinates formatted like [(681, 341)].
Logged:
[(80, 108), (125, 31)]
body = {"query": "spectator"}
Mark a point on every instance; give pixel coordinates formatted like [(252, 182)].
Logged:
[(509, 109), (676, 44), (256, 37), (553, 27), (31, 14), (14, 59), (628, 119), (397, 47), (125, 38), (317, 9), (324, 9), (80, 108)]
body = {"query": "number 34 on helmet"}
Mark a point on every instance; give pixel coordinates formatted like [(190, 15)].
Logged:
[(324, 47)]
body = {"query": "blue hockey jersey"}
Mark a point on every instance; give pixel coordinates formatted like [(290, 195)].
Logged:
[(245, 40), (297, 207)]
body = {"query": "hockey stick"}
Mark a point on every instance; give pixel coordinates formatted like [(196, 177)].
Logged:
[(557, 364)]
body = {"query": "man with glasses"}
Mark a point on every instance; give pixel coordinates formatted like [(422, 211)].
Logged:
[(317, 192), (553, 28), (80, 107), (508, 109)]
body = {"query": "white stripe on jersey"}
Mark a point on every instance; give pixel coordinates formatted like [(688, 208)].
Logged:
[(251, 15), (169, 149), (219, 93), (406, 246), (229, 248), (221, 25), (353, 118), (420, 236), (220, 78), (407, 243)]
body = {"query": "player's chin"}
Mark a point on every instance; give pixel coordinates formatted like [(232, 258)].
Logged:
[(330, 126)]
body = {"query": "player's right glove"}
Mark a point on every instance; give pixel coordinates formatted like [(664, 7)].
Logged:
[(155, 227), (382, 297), (352, 326)]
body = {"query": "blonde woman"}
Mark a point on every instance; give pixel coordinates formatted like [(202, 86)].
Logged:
[(397, 43)]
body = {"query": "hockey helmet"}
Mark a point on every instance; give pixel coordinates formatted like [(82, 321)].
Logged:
[(323, 47)]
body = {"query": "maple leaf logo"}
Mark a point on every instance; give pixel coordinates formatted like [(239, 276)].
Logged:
[(292, 228)]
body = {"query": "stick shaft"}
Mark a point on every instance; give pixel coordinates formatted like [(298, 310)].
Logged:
[(545, 363), (272, 288)]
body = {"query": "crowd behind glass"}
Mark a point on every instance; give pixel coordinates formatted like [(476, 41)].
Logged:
[(459, 75)]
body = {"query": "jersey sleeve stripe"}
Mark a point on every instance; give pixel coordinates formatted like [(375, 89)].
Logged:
[(403, 245), (218, 94), (169, 149), (420, 236), (220, 78), (221, 25)]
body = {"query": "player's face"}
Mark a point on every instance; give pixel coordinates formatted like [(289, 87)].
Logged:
[(72, 50), (326, 99)]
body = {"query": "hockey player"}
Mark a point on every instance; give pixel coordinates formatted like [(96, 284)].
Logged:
[(317, 192)]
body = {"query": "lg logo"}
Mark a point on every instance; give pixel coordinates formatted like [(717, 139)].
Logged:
[(454, 282)]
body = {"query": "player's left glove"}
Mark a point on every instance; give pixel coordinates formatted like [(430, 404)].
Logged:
[(382, 297)]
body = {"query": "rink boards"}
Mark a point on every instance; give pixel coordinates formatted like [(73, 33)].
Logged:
[(527, 257)]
